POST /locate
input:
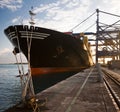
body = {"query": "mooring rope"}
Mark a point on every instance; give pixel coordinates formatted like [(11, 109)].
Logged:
[(29, 78), (22, 79), (18, 68), (19, 51), (19, 48)]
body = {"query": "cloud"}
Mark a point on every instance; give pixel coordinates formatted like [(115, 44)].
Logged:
[(11, 4), (46, 7), (16, 20), (60, 15), (111, 6), (6, 56), (5, 50), (115, 6), (63, 14)]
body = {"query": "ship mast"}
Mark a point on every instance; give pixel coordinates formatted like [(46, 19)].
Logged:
[(32, 14)]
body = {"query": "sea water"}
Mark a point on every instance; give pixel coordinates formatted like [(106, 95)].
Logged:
[(10, 87)]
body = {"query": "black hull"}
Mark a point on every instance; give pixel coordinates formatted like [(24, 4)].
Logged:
[(49, 48), (44, 81)]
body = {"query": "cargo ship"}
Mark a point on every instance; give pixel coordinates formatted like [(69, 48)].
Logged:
[(49, 51)]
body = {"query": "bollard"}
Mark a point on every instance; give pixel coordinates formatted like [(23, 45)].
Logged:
[(100, 75)]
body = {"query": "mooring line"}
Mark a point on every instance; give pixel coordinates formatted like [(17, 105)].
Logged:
[(78, 93)]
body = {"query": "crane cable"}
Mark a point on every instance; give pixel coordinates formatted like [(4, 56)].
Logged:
[(82, 21), (89, 27)]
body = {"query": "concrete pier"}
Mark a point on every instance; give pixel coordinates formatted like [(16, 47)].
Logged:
[(83, 92)]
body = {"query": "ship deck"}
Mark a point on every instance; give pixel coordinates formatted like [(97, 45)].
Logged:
[(83, 92)]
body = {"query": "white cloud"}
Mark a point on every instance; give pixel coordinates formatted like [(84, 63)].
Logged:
[(63, 14), (17, 19), (6, 56), (46, 7), (111, 6), (115, 6), (5, 50), (11, 4)]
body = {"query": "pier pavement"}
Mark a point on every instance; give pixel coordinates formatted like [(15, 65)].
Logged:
[(82, 92)]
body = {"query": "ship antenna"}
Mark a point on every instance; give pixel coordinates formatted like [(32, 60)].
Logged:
[(32, 14)]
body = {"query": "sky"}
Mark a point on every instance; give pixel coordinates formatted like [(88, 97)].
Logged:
[(61, 15)]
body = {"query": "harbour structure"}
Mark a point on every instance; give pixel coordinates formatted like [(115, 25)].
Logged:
[(102, 38), (107, 38)]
